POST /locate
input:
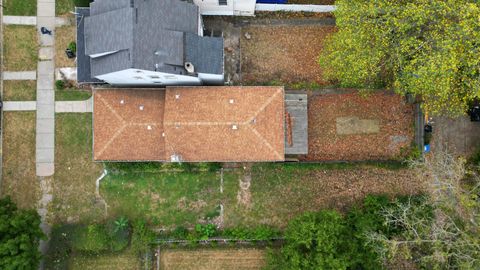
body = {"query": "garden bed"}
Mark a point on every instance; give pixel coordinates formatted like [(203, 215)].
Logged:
[(212, 259), (282, 54), (349, 126)]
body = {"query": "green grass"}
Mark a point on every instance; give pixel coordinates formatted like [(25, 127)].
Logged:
[(279, 192), (75, 172), (63, 7), (19, 90), (20, 48), (164, 199), (19, 180), (20, 7), (70, 94)]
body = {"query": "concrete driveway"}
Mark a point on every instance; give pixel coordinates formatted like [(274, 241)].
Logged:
[(459, 135)]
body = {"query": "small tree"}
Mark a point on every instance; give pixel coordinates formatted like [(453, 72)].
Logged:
[(427, 48), (442, 232), (314, 241), (20, 234)]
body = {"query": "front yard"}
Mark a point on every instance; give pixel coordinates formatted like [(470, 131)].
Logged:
[(20, 48), (18, 172), (63, 36), (20, 7), (282, 54)]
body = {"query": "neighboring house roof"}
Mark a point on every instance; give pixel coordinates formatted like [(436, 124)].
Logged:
[(193, 123), (156, 35)]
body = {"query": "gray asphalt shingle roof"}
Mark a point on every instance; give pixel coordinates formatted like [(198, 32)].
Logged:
[(156, 35)]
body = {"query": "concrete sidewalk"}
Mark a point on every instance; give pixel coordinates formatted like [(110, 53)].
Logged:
[(19, 75), (30, 20), (83, 106), (19, 106)]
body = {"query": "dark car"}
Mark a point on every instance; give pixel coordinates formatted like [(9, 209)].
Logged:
[(474, 111)]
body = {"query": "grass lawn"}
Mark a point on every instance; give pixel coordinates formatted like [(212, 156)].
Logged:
[(63, 36), (279, 192), (72, 94), (20, 48), (75, 172), (19, 90), (165, 199), (19, 179), (20, 7), (127, 260), (63, 7)]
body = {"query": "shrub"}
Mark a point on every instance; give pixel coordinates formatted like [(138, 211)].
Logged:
[(72, 46), (180, 232), (119, 233), (205, 231), (142, 236), (59, 85)]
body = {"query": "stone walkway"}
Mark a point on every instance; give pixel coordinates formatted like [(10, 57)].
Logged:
[(31, 20), (19, 75), (19, 106)]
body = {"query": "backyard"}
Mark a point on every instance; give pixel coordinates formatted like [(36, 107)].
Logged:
[(349, 125), (75, 173), (168, 199), (279, 192), (126, 260), (283, 54), (18, 172)]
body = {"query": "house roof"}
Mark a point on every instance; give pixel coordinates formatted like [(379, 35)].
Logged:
[(150, 35), (193, 123)]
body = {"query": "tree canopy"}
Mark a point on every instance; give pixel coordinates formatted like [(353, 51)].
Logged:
[(429, 48), (19, 237)]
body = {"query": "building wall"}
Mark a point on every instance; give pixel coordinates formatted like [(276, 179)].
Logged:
[(233, 7), (137, 77)]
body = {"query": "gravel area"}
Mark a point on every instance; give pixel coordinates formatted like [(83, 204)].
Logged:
[(349, 126)]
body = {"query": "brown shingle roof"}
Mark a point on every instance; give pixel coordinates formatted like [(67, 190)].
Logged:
[(194, 123)]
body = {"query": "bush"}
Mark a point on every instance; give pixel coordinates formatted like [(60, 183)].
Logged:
[(119, 233), (203, 232), (72, 46), (142, 236), (59, 85)]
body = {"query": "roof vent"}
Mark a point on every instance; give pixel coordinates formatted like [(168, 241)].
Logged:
[(122, 101), (234, 127), (231, 101), (163, 134), (149, 127), (177, 96), (189, 67), (141, 107)]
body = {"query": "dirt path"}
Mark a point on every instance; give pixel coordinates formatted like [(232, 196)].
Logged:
[(244, 196)]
